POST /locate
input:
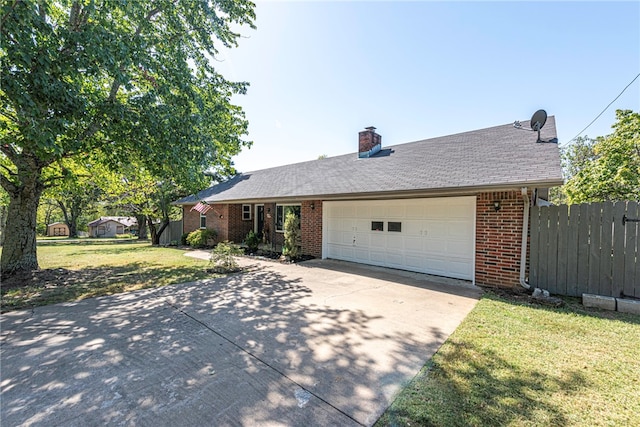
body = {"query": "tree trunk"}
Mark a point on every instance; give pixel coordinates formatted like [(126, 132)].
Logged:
[(142, 227), (156, 233), (19, 249), (3, 223)]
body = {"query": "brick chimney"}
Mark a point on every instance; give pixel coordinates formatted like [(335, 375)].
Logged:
[(369, 142)]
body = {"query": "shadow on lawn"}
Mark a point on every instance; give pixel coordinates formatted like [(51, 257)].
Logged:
[(485, 390), (50, 286)]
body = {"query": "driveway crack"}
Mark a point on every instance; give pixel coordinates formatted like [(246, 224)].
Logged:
[(258, 359)]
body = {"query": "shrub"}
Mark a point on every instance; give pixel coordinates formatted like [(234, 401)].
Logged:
[(124, 236), (201, 238), (290, 247), (222, 258), (252, 241), (183, 239)]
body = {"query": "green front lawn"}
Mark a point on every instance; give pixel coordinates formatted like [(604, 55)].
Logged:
[(72, 271), (513, 363)]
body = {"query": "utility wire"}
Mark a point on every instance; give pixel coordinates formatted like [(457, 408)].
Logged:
[(605, 109)]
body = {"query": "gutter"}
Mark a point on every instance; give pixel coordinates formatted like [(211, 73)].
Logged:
[(525, 229)]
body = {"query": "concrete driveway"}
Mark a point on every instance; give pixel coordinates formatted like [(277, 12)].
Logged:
[(317, 343)]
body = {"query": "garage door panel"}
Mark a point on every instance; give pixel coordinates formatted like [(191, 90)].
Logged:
[(363, 239), (412, 227), (457, 248), (396, 211), (395, 243), (363, 211), (363, 225), (378, 240), (414, 211), (378, 211), (413, 243), (378, 257), (437, 235), (459, 229)]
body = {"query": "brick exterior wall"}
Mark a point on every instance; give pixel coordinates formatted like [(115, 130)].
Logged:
[(498, 234), (499, 238), (238, 228), (311, 228), (191, 220)]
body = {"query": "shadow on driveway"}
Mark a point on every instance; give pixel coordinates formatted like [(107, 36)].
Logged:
[(278, 345)]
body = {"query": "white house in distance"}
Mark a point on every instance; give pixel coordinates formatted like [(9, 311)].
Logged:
[(109, 226)]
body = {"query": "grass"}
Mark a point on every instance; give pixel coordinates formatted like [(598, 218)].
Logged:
[(74, 271), (513, 363)]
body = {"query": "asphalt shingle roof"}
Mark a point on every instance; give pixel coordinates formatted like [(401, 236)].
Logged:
[(495, 157), (127, 221)]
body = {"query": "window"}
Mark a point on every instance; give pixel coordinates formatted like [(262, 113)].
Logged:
[(281, 214), (377, 226), (394, 226), (203, 221), (246, 212)]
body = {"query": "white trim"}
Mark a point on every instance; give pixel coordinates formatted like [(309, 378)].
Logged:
[(249, 212), (205, 221), (255, 217), (276, 214)]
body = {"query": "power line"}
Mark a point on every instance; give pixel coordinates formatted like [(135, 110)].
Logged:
[(605, 109)]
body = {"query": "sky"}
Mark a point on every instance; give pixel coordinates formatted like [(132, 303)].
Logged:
[(320, 72)]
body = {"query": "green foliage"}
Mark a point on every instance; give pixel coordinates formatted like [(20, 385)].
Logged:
[(223, 258), (609, 168), (252, 241), (77, 192), (290, 247), (119, 80), (201, 238), (183, 239), (124, 236)]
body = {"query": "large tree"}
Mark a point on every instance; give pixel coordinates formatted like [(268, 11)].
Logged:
[(607, 168), (125, 79)]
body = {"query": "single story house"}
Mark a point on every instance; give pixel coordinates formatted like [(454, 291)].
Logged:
[(58, 229), (454, 206), (109, 226)]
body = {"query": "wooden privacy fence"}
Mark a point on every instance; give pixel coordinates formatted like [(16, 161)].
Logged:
[(590, 248), (172, 234)]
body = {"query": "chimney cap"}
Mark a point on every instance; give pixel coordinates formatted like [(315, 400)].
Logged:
[(371, 128)]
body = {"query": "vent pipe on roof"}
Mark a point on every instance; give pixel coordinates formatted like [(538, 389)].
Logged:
[(369, 142)]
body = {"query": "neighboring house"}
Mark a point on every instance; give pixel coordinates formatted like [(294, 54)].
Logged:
[(109, 226), (58, 229), (452, 206)]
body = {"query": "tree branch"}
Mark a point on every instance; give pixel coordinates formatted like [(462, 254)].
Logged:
[(8, 186), (9, 171), (10, 152), (48, 183), (6, 15), (115, 86)]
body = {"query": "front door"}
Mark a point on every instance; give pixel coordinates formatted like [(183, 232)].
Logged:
[(259, 226)]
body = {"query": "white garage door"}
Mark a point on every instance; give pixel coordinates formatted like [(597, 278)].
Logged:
[(434, 236)]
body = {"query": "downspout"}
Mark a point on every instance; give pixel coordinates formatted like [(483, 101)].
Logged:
[(523, 249)]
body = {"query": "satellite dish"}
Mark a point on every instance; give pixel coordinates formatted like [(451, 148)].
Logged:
[(538, 120)]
